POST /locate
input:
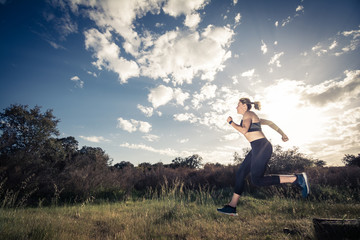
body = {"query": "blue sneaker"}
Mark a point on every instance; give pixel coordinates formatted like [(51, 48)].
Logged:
[(302, 182), (229, 210)]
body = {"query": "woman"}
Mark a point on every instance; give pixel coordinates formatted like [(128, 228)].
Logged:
[(256, 160)]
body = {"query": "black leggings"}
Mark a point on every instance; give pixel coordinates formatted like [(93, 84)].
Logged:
[(255, 163)]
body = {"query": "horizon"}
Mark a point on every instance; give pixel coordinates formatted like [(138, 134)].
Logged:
[(152, 81)]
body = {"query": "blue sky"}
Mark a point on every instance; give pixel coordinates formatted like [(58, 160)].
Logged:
[(148, 81)]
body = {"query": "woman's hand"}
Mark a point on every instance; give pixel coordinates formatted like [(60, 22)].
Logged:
[(285, 138), (229, 119)]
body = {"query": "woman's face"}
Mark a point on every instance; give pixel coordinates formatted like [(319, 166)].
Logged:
[(241, 108)]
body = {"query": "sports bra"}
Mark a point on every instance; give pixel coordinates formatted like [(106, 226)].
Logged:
[(253, 127)]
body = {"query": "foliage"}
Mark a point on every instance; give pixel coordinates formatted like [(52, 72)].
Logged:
[(192, 162), (288, 161), (351, 160)]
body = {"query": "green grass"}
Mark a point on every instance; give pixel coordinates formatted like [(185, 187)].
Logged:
[(171, 217)]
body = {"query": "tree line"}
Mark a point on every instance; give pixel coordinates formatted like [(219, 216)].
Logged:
[(37, 166)]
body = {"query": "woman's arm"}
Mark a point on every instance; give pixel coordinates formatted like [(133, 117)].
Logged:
[(275, 127), (245, 125)]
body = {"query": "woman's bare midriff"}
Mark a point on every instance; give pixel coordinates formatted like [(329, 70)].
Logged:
[(252, 136)]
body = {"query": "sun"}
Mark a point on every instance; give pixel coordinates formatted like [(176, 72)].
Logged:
[(302, 123)]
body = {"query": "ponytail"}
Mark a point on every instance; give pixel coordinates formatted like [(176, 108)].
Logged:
[(257, 105), (247, 101)]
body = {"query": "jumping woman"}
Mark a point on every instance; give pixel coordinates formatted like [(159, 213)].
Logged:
[(256, 160)]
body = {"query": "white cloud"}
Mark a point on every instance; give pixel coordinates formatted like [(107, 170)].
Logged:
[(133, 125), (160, 95), (186, 117), (299, 8), (151, 137), (276, 24), (208, 91), (235, 2), (176, 8), (263, 47), (248, 74), (352, 33), (333, 45), (107, 54), (192, 20), (275, 59), (344, 42), (231, 137), (180, 96), (340, 93), (94, 139), (119, 16), (148, 111), (185, 140), (178, 55), (286, 21), (79, 83), (237, 18), (184, 55), (167, 151)]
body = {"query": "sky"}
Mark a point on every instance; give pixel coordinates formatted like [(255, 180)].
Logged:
[(149, 81)]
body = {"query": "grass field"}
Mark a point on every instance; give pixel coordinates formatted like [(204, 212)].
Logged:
[(171, 217)]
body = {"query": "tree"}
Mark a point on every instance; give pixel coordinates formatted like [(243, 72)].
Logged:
[(192, 162), (288, 161), (123, 164), (351, 160), (26, 130)]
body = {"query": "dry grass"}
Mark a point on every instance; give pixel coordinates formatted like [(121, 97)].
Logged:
[(171, 218)]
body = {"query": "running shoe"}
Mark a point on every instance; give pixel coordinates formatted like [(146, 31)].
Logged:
[(229, 210), (302, 182)]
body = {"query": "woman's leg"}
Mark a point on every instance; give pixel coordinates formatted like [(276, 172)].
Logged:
[(262, 151), (241, 174), (287, 178), (261, 156)]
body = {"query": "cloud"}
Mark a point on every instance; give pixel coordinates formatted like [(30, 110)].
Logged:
[(167, 151), (151, 137), (183, 55), (78, 83), (107, 54), (133, 125), (237, 18), (336, 92), (192, 20), (118, 16), (299, 8), (180, 96), (148, 111), (185, 140), (186, 117), (176, 8), (94, 139), (333, 45), (179, 55), (263, 47), (287, 20), (248, 74), (341, 43), (208, 91), (162, 95), (275, 59)]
